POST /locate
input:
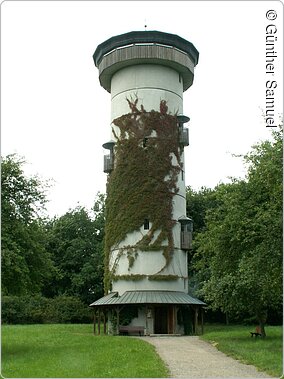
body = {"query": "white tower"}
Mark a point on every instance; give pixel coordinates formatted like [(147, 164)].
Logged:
[(147, 232)]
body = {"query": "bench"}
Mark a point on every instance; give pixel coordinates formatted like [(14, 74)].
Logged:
[(256, 334), (126, 330)]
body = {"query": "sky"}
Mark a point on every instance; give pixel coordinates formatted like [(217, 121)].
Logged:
[(56, 115)]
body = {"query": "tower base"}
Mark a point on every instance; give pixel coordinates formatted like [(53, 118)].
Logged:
[(149, 313)]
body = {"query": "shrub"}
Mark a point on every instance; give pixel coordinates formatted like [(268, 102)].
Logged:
[(12, 309), (39, 310), (67, 309)]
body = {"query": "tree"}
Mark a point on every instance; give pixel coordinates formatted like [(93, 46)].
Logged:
[(239, 259), (25, 262), (198, 203), (75, 242)]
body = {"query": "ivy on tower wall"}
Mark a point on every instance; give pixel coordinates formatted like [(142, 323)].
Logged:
[(142, 183)]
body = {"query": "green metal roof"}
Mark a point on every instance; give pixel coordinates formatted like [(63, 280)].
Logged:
[(148, 297), (109, 299)]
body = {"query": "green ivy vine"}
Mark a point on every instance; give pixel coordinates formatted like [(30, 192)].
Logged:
[(142, 183), (137, 277)]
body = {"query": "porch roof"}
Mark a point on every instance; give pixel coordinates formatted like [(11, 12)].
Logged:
[(147, 297)]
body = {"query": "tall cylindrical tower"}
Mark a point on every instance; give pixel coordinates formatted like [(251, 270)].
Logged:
[(147, 232)]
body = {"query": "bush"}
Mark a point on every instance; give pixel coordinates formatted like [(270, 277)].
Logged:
[(41, 310), (67, 309), (12, 309)]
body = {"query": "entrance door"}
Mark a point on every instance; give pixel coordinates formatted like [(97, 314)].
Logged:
[(171, 319), (161, 320)]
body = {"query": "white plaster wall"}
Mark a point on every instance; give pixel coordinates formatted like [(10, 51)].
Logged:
[(144, 320), (149, 262), (177, 265), (179, 206), (131, 239), (150, 83), (146, 263), (122, 286), (152, 263), (150, 320), (140, 320)]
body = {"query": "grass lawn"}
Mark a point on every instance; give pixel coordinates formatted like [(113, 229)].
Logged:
[(235, 340), (72, 351)]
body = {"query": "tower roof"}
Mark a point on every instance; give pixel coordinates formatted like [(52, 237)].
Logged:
[(151, 36), (145, 47)]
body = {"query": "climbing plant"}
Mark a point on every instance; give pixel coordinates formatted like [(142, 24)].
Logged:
[(136, 277), (142, 183)]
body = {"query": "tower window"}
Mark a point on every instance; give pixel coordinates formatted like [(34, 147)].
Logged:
[(146, 224), (145, 140)]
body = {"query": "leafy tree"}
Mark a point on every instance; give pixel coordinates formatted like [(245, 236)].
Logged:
[(239, 259), (75, 242), (25, 261), (198, 203)]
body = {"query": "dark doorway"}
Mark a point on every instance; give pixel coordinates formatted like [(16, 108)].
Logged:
[(171, 317), (161, 320)]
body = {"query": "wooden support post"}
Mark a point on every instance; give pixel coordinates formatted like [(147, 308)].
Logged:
[(104, 322), (171, 319), (95, 320), (117, 320), (202, 320), (146, 318), (195, 320), (99, 323)]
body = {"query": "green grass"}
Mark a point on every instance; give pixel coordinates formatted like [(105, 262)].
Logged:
[(66, 351), (235, 341), (72, 351)]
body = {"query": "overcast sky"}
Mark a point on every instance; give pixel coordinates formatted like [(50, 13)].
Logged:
[(56, 115)]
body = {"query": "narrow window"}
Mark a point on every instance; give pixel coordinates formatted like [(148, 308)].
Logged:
[(145, 140), (182, 175), (146, 224)]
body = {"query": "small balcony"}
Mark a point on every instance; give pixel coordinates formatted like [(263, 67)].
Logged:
[(186, 233), (108, 163), (183, 137), (183, 132), (109, 158)]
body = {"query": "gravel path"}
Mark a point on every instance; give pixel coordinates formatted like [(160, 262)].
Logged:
[(190, 357)]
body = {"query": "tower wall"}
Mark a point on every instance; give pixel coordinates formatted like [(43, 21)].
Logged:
[(147, 74), (150, 83)]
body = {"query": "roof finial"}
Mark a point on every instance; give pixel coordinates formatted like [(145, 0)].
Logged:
[(145, 25)]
